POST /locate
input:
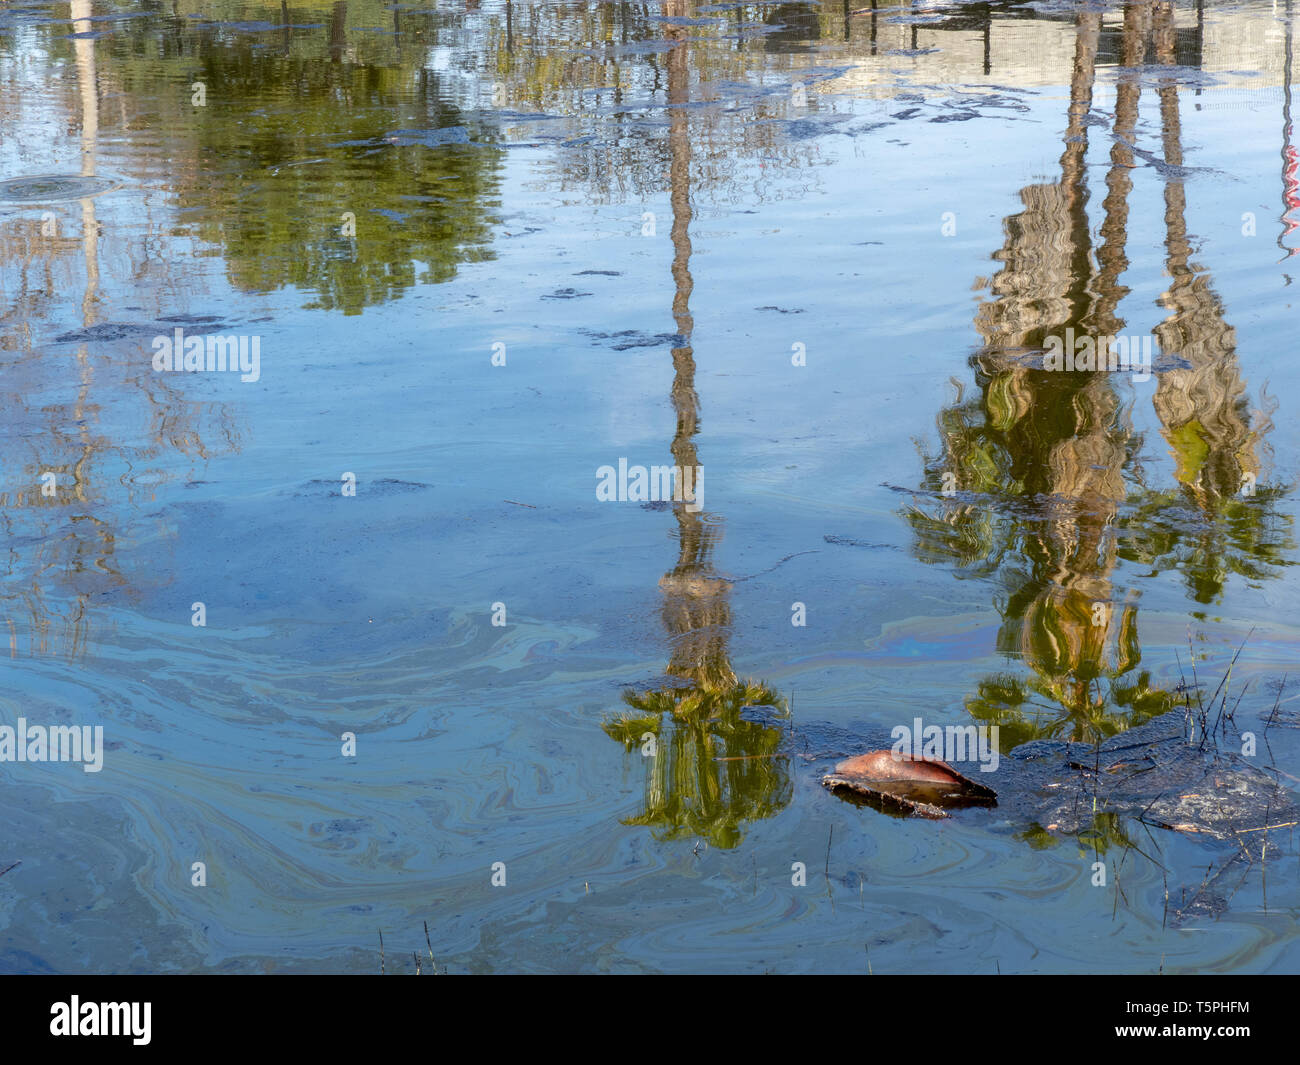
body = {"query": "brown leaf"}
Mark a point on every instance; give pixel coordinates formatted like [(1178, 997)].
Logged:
[(901, 784)]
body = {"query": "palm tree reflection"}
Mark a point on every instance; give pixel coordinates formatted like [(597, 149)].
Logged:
[(712, 769), (1053, 455), (1229, 524)]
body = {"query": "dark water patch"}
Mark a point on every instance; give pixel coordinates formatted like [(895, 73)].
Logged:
[(1168, 171), (827, 74), (986, 101), (1169, 360), (865, 128), (27, 17), (616, 51), (339, 826), (509, 117), (805, 128), (428, 138), (53, 188), (627, 339), (565, 294), (846, 541), (383, 486), (105, 331)]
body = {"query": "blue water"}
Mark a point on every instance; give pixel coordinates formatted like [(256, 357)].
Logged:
[(810, 198)]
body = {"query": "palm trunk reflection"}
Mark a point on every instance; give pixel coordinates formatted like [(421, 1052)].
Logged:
[(712, 769)]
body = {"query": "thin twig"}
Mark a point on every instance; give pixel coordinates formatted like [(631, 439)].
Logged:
[(430, 945), (829, 837)]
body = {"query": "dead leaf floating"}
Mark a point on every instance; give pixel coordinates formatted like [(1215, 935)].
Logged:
[(899, 784)]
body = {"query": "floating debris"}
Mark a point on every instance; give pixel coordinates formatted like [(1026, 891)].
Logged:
[(53, 188), (893, 783)]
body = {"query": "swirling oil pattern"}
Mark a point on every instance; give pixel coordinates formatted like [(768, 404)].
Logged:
[(369, 649)]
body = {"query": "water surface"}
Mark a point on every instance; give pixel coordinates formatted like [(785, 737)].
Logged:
[(488, 248)]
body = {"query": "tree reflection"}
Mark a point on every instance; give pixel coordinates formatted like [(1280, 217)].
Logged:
[(712, 769), (1046, 495), (337, 164), (62, 534)]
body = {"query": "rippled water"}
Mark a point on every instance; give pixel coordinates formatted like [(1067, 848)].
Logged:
[(487, 248)]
